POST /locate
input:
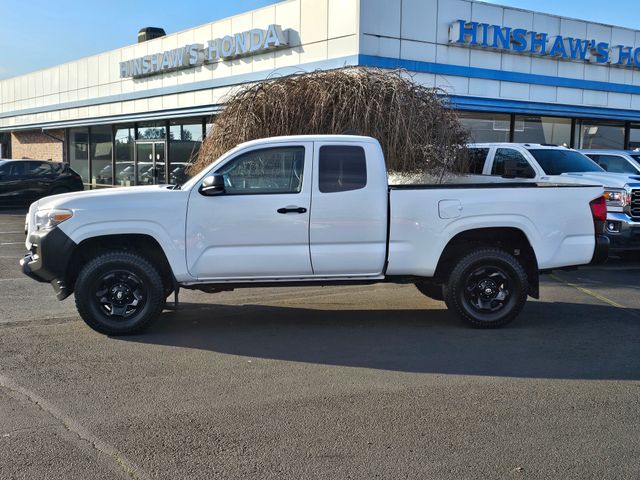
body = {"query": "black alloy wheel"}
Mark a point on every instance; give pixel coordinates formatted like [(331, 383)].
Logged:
[(120, 294), (487, 289)]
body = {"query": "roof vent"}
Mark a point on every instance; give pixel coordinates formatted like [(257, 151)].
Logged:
[(149, 33)]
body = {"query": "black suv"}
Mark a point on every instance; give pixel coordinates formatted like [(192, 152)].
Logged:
[(25, 181)]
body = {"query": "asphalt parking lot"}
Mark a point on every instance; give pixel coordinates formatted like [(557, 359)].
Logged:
[(331, 383)]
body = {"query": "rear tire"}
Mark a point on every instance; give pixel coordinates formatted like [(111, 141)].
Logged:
[(119, 293), (487, 288), (59, 190)]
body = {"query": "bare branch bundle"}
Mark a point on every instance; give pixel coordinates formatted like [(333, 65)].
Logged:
[(418, 133)]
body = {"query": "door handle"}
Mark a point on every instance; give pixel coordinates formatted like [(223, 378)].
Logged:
[(292, 210)]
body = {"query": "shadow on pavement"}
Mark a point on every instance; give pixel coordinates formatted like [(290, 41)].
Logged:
[(549, 340), (13, 210)]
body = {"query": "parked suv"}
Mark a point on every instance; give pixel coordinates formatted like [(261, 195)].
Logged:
[(616, 161), (554, 164), (24, 181)]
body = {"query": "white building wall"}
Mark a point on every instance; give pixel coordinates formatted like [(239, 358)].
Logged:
[(321, 31), (419, 30), (318, 30)]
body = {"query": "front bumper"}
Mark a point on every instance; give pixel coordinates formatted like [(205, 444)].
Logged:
[(623, 231), (48, 260)]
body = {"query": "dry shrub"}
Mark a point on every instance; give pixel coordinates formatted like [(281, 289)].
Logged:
[(419, 135)]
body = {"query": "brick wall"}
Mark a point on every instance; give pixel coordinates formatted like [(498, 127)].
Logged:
[(36, 145)]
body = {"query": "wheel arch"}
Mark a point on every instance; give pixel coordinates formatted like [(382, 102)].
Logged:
[(143, 244), (510, 239)]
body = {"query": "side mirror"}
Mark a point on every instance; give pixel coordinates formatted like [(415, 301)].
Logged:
[(212, 185)]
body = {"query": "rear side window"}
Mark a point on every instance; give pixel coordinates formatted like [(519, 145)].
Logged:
[(39, 169), (474, 160), (503, 154), (613, 163), (342, 168), (58, 167)]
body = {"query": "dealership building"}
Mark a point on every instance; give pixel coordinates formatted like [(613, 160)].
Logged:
[(512, 74)]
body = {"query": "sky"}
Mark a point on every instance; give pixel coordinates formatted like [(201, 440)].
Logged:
[(37, 34)]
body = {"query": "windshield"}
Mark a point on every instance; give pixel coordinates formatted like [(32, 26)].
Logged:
[(636, 157), (556, 161)]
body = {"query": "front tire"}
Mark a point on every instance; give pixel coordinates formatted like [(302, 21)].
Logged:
[(119, 293), (487, 288), (431, 290)]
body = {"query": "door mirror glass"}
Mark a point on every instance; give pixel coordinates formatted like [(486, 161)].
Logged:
[(212, 185)]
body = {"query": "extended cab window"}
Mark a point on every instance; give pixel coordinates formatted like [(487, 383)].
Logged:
[(342, 168), (502, 154), (613, 163), (556, 161), (269, 170)]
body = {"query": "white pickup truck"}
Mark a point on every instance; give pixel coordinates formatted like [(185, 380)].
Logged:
[(301, 210)]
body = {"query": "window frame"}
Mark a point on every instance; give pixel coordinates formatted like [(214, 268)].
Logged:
[(343, 145), (216, 170)]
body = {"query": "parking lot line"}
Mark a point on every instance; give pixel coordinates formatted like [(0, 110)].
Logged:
[(109, 452), (596, 295)]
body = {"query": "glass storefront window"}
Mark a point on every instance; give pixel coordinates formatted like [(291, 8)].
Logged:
[(634, 137), (152, 131), (125, 142), (486, 127), (79, 152), (185, 139), (537, 129), (100, 156), (600, 134)]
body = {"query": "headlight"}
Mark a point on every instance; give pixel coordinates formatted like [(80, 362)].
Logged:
[(47, 219), (616, 197)]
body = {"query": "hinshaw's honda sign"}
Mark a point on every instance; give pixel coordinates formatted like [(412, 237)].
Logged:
[(520, 40), (251, 42)]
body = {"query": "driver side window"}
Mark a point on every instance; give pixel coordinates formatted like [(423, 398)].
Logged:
[(13, 170), (265, 171)]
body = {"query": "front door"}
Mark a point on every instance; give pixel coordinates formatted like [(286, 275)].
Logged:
[(259, 226), (151, 166)]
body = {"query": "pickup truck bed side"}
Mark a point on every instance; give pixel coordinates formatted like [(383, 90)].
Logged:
[(434, 216)]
